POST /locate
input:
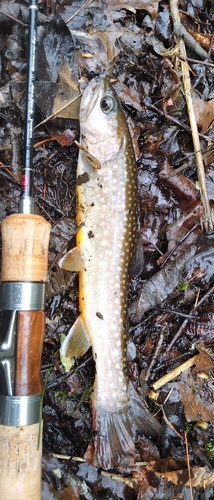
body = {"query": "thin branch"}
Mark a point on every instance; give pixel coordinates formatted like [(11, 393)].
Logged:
[(78, 11), (188, 466), (174, 373), (192, 119), (58, 111)]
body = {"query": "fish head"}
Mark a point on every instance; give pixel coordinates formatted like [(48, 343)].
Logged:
[(103, 125)]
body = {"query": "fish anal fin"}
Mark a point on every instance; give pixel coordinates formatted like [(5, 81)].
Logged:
[(115, 431), (75, 344), (72, 260), (137, 261)]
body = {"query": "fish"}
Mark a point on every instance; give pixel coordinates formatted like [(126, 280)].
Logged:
[(106, 241)]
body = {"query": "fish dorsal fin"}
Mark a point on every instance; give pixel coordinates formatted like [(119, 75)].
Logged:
[(73, 260), (75, 344)]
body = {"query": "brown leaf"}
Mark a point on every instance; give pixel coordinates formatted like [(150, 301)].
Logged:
[(151, 7), (183, 188), (69, 493), (204, 111), (204, 39), (178, 229), (196, 395)]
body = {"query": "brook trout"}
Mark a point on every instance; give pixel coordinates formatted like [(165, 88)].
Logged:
[(106, 240)]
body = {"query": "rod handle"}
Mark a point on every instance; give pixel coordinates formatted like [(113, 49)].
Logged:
[(25, 240), (30, 335), (20, 462)]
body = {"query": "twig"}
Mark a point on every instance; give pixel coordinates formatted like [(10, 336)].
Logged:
[(189, 163), (181, 240), (177, 313), (176, 121), (196, 61), (130, 482), (13, 18), (180, 31), (78, 11), (167, 421), (192, 119), (174, 373), (159, 344), (186, 321), (58, 111), (188, 466)]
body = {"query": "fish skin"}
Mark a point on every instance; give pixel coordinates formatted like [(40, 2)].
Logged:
[(107, 216)]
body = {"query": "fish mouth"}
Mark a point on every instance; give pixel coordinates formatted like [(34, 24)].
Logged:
[(93, 93)]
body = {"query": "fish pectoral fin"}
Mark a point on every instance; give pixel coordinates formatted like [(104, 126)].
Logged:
[(73, 260), (95, 164), (75, 344), (137, 261)]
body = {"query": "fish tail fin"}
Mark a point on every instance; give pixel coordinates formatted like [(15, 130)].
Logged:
[(115, 431)]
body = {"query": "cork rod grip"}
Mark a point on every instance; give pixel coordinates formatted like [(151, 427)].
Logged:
[(25, 239), (20, 463)]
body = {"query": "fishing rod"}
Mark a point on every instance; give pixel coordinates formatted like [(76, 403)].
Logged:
[(25, 240)]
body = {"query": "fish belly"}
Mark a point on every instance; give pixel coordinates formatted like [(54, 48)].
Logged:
[(107, 216)]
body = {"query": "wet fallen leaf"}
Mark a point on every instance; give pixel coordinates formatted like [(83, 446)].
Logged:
[(151, 7), (205, 40), (184, 189), (204, 111), (157, 288), (196, 396)]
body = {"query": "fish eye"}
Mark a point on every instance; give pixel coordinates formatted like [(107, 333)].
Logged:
[(108, 104)]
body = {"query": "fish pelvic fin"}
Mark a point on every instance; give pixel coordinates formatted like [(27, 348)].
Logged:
[(75, 344), (115, 432), (72, 260)]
